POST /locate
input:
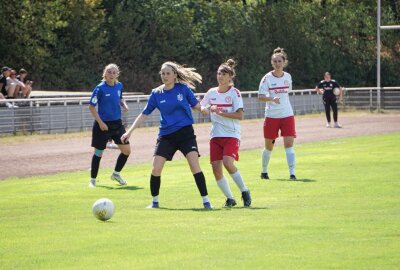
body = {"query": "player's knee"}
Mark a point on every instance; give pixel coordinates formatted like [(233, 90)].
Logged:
[(228, 164), (156, 171), (126, 151), (218, 174), (98, 152)]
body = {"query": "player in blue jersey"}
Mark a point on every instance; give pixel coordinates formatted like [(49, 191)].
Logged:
[(175, 101), (107, 96)]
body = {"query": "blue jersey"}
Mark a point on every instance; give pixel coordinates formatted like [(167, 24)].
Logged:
[(174, 106), (108, 99)]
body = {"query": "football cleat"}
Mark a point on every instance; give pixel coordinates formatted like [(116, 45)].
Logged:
[(264, 176), (230, 202), (118, 178), (154, 205), (207, 205), (293, 177), (246, 198), (111, 145), (92, 183), (337, 125)]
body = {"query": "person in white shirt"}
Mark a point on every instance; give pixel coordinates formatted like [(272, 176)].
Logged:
[(14, 85), (274, 90), (224, 104)]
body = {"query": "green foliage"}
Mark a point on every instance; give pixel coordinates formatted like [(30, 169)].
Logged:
[(65, 44), (342, 213)]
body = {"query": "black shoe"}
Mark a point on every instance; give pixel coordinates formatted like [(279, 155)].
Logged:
[(246, 198), (293, 177), (230, 202), (264, 175)]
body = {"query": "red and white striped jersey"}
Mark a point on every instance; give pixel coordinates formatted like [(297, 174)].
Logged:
[(272, 86), (230, 101)]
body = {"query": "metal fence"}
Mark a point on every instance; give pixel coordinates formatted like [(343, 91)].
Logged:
[(71, 114)]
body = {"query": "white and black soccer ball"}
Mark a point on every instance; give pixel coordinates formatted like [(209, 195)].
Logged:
[(336, 91), (103, 209)]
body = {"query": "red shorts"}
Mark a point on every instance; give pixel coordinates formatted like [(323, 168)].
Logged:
[(273, 125), (223, 146)]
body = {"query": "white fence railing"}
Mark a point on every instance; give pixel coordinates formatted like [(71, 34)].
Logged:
[(68, 114)]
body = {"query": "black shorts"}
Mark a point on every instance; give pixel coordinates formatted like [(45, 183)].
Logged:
[(4, 92), (329, 100), (100, 138), (183, 140)]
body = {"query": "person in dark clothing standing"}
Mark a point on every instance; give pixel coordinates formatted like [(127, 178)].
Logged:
[(330, 89)]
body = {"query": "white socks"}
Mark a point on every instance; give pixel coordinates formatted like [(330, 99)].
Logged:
[(155, 198), (239, 181), (224, 186), (266, 155), (291, 159), (205, 199)]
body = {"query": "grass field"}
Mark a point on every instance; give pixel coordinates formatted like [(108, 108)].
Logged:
[(342, 213)]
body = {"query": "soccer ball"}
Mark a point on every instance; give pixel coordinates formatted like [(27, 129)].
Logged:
[(103, 209), (336, 91)]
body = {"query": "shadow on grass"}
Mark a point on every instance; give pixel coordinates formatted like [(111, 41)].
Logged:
[(106, 221), (214, 209), (190, 209), (120, 187), (305, 180), (251, 208)]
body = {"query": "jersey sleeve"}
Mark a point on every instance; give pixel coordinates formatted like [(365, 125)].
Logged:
[(205, 102), (320, 85), (263, 89), (336, 84), (151, 104), (122, 91), (191, 98), (237, 101), (290, 83), (94, 99)]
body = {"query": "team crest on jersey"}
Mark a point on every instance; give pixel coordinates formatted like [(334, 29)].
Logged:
[(286, 82), (94, 100), (179, 97), (228, 99), (330, 85)]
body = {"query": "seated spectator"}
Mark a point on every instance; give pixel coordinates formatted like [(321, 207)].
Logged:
[(13, 85), (28, 84), (5, 72)]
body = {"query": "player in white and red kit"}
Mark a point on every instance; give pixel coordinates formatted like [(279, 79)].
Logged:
[(225, 105), (274, 90)]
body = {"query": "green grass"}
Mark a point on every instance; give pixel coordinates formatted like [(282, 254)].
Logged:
[(343, 213)]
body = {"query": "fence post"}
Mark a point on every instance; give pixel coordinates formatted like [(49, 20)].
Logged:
[(13, 119), (378, 99), (48, 106), (370, 100), (66, 116)]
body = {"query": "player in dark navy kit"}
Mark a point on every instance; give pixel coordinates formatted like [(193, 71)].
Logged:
[(327, 88), (107, 96), (175, 101)]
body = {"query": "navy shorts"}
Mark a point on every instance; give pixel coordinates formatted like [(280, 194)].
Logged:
[(100, 138), (183, 140)]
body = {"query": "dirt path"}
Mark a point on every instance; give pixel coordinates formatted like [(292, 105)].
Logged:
[(43, 157)]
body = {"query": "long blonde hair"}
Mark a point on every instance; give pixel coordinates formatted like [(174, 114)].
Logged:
[(184, 75), (111, 66)]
